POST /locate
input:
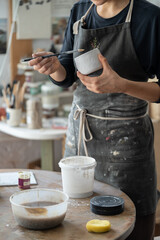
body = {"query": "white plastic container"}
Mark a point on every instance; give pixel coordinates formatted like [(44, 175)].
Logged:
[(14, 116), (78, 176), (49, 96), (88, 62)]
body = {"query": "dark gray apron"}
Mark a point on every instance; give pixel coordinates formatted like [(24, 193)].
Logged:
[(115, 128)]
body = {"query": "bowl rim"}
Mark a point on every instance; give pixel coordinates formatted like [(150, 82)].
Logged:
[(96, 50), (34, 189)]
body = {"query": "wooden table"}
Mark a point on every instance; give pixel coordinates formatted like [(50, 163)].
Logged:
[(78, 214), (46, 135)]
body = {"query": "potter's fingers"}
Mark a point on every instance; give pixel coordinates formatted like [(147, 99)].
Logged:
[(104, 62), (35, 61), (38, 58), (46, 69), (38, 54), (40, 62), (41, 67), (85, 78)]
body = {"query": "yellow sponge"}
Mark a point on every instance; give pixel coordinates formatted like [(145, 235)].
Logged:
[(98, 226)]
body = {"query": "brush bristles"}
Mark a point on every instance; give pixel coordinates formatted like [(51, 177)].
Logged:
[(81, 50)]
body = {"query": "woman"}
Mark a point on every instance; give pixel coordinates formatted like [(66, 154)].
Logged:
[(111, 106)]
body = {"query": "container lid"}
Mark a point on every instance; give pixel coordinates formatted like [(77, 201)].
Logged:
[(24, 66), (49, 87), (24, 175), (107, 205), (82, 162), (33, 103), (28, 73), (34, 84)]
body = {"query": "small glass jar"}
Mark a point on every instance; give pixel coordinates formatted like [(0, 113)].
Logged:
[(24, 180), (28, 79), (28, 76)]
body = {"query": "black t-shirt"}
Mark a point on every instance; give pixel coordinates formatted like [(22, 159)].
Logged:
[(145, 31)]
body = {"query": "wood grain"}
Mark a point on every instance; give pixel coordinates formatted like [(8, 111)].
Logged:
[(19, 48)]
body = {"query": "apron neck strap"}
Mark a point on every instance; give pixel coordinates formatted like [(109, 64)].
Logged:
[(129, 15), (76, 24), (85, 15), (128, 18)]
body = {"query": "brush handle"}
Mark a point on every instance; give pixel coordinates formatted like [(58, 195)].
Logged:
[(46, 56), (52, 55), (5, 98)]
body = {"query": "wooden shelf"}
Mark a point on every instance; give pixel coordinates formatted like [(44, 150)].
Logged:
[(19, 48)]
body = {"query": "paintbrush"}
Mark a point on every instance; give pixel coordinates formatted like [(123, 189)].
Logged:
[(21, 93), (5, 98), (52, 55), (16, 94)]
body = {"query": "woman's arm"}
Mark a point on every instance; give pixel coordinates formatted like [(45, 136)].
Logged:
[(110, 82), (61, 70), (149, 91)]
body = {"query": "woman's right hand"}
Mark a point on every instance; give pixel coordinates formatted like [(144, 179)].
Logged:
[(45, 65)]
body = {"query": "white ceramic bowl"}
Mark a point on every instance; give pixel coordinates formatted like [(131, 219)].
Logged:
[(88, 62), (39, 208)]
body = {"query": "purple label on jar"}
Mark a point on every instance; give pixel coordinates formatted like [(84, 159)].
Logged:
[(24, 183)]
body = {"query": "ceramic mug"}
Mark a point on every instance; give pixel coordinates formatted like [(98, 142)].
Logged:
[(14, 116)]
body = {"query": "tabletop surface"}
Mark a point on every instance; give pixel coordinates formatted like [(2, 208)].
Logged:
[(45, 133), (78, 214)]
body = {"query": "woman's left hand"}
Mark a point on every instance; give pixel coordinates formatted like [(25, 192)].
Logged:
[(108, 82)]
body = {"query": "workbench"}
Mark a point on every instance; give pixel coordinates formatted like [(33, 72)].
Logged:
[(45, 135), (78, 213)]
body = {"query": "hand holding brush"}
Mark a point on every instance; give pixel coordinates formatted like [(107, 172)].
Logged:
[(52, 55), (46, 63)]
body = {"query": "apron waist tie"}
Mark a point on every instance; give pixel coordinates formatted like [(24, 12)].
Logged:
[(83, 125)]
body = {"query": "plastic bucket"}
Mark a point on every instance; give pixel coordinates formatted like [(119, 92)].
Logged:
[(78, 176)]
